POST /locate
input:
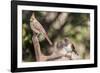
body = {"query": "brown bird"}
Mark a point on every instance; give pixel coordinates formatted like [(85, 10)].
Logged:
[(38, 28)]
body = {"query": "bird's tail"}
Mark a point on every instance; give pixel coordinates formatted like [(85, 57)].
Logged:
[(74, 49), (46, 36)]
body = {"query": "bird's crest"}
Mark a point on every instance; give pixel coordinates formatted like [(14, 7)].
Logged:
[(32, 17)]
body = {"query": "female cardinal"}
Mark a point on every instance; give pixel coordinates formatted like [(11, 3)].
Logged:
[(38, 28)]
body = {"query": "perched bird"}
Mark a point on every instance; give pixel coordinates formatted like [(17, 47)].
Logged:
[(66, 48), (38, 28), (69, 46)]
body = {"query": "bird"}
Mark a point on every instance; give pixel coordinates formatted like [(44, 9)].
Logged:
[(66, 48), (37, 27), (69, 46)]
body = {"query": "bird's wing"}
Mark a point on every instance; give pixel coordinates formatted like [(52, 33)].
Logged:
[(33, 28), (39, 27), (74, 49)]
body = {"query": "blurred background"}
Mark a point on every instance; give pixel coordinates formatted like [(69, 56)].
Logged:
[(58, 25)]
